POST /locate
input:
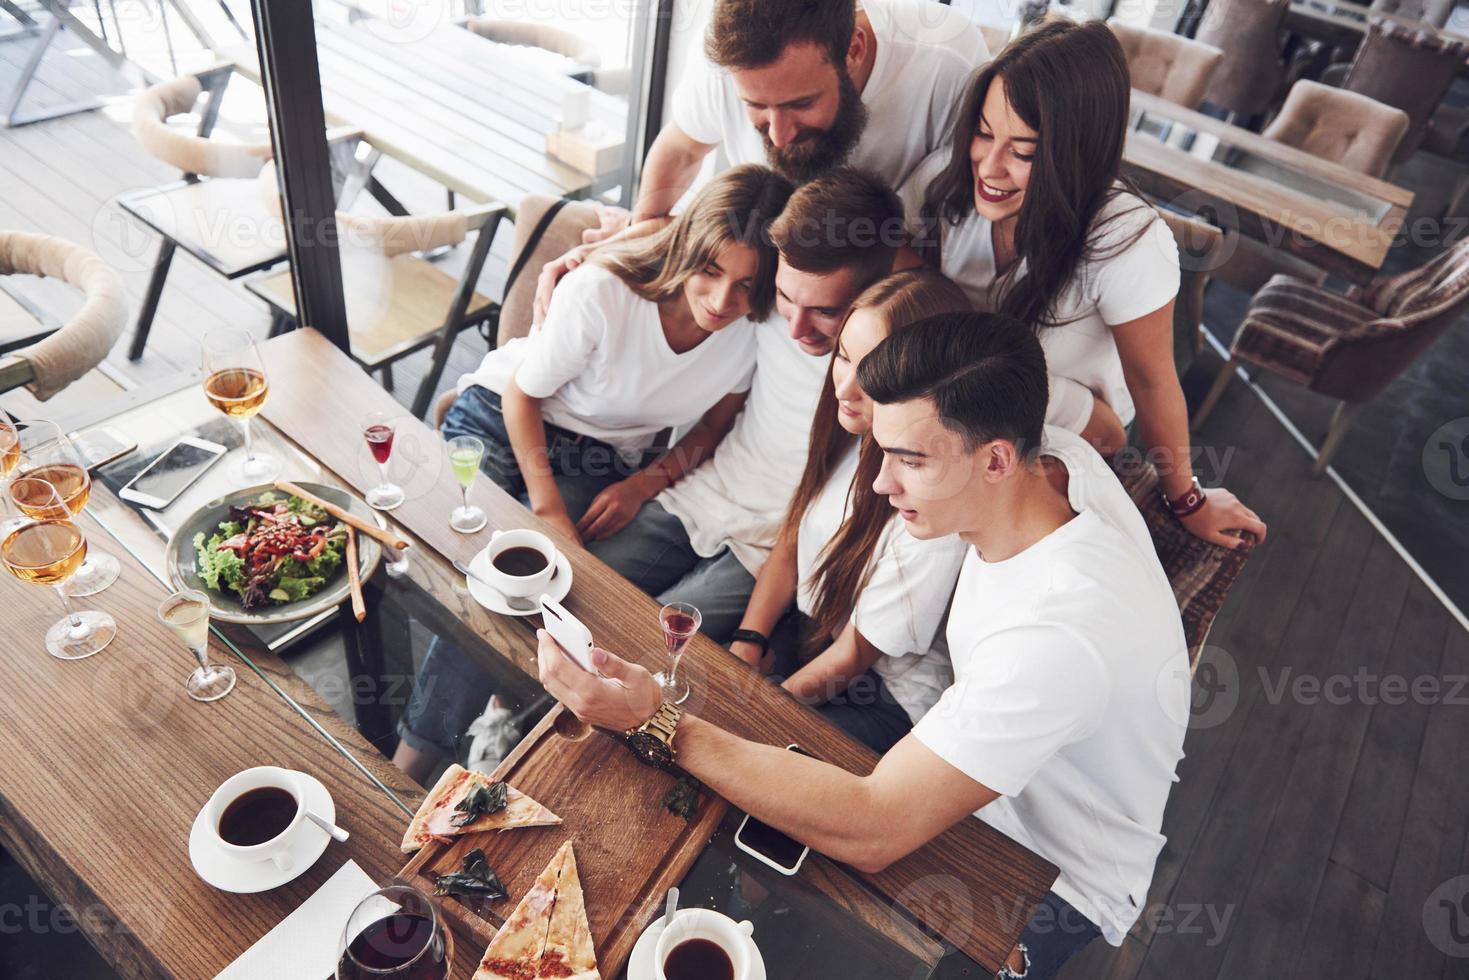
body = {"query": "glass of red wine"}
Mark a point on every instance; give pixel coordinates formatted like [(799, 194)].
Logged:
[(396, 933), (378, 429), (680, 621)]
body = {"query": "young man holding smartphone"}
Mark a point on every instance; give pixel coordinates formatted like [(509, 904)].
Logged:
[(1065, 723)]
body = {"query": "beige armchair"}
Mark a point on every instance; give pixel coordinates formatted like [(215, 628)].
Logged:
[(51, 364), (1351, 129), (1169, 66)]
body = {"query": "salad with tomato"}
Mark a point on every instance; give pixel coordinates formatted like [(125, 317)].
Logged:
[(276, 550)]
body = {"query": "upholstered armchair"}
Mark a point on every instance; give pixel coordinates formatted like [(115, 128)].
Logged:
[(1345, 127), (1249, 34), (1169, 66)]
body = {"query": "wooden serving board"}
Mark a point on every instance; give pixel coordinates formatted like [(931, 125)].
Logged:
[(629, 848)]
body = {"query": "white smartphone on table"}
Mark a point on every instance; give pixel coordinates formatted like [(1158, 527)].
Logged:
[(570, 633), (770, 846), (161, 481)]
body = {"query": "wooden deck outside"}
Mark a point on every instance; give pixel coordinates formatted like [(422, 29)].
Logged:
[(1304, 837)]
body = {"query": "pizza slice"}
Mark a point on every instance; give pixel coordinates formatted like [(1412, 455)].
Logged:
[(569, 953), (440, 813), (515, 952)]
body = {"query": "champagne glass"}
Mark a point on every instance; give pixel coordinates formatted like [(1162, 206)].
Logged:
[(379, 429), (235, 383), (680, 621), (186, 614), (9, 460), (49, 456), (396, 933), (47, 550), (465, 452)]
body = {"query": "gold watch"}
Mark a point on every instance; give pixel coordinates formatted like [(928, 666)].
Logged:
[(652, 741)]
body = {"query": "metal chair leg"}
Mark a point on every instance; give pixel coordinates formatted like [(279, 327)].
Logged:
[(1221, 382), (1341, 424), (457, 312), (150, 298)]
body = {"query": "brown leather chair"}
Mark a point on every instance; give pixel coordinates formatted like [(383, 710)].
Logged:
[(1349, 128), (1169, 66), (1249, 34), (1347, 347), (1200, 252), (1408, 68)]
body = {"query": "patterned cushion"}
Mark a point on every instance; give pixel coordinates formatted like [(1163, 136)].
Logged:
[(1201, 573), (1443, 280), (1291, 322)]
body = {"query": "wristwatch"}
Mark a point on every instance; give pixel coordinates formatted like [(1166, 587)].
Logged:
[(752, 636), (652, 741), (1187, 503)]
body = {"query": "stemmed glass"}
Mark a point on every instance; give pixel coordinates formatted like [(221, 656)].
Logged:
[(47, 549), (9, 460), (465, 452), (378, 429), (235, 383), (396, 933), (186, 614), (48, 455), (680, 621)]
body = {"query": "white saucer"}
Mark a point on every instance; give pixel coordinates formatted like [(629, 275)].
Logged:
[(493, 600), (228, 873), (640, 965)]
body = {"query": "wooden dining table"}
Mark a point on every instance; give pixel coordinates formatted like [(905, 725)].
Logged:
[(1336, 218), (107, 761)]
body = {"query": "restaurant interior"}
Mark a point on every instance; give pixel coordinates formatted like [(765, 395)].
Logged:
[(248, 251)]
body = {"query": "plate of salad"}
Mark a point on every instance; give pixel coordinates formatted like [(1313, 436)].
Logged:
[(265, 556)]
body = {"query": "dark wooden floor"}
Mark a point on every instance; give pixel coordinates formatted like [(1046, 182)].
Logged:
[(1304, 837)]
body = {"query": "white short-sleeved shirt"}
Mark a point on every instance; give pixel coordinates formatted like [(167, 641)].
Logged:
[(738, 498), (1113, 289), (903, 604), (1071, 693), (601, 364), (925, 51)]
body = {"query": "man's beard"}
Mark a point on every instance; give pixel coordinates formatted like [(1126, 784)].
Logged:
[(816, 151)]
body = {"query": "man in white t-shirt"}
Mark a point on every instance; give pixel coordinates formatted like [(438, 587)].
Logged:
[(1065, 722), (703, 539), (803, 88)]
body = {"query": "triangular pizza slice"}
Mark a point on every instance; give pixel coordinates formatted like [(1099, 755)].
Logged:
[(569, 953), (438, 815), (516, 950)]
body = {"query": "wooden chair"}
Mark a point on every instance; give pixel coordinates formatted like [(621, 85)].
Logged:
[(1169, 66), (216, 193), (1347, 347), (1201, 573), (397, 301), (1200, 252), (49, 365)]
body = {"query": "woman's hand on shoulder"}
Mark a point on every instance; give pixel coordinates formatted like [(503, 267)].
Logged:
[(1221, 519)]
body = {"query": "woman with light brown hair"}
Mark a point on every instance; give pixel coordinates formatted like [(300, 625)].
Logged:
[(845, 583)]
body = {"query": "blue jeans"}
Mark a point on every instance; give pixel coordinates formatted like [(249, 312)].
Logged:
[(654, 553), (1056, 932)]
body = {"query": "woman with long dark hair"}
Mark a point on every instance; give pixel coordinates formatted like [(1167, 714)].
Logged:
[(1026, 210), (846, 589)]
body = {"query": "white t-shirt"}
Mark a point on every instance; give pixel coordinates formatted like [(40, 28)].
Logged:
[(907, 594), (602, 367), (1114, 289), (925, 52), (738, 497), (1071, 695)]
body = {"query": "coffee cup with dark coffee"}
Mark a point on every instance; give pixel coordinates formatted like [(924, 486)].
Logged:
[(255, 814), (701, 944), (521, 563)]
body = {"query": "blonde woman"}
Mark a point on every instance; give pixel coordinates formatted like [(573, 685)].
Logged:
[(652, 334)]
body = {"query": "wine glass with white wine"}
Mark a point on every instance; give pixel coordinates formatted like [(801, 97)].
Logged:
[(235, 383), (48, 455), (186, 614), (47, 549)]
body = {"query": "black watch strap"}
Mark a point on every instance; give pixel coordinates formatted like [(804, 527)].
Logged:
[(752, 636)]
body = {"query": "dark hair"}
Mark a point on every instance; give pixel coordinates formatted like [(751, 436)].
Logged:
[(845, 562), (985, 373), (845, 219), (754, 33), (735, 208), (1070, 83)]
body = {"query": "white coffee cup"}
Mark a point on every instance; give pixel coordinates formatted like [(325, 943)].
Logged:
[(278, 848), (731, 936), (520, 586)]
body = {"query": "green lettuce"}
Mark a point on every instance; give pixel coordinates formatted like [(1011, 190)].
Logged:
[(296, 588), (219, 569)]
